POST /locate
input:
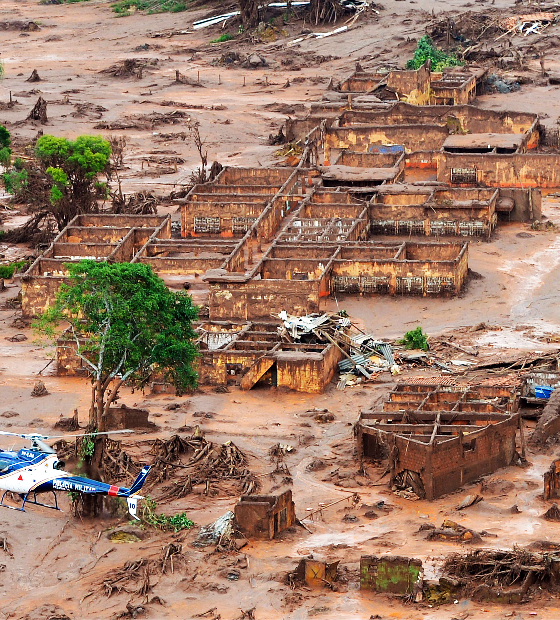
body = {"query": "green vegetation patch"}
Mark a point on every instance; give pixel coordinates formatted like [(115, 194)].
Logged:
[(415, 339), (427, 50), (175, 523), (7, 271), (223, 38), (125, 7)]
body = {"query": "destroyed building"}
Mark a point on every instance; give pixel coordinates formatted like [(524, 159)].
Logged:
[(245, 354), (264, 516), (307, 242), (438, 438), (418, 162)]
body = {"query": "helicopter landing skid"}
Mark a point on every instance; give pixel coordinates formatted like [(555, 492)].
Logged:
[(26, 500)]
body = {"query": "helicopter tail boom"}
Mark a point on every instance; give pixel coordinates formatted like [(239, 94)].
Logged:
[(139, 482)]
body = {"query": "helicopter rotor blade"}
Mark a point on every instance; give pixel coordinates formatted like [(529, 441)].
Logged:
[(40, 436), (86, 434)]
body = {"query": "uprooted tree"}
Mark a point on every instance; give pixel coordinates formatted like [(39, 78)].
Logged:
[(125, 325), (321, 11)]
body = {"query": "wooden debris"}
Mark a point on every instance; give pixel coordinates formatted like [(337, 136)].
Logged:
[(39, 112), (130, 67), (502, 567), (68, 424), (39, 389), (552, 514), (5, 546), (34, 77)]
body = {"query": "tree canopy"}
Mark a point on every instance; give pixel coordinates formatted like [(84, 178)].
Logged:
[(74, 168), (125, 325)]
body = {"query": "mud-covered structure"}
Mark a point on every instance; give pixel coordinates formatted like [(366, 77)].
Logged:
[(438, 438), (264, 516), (251, 353), (296, 246)]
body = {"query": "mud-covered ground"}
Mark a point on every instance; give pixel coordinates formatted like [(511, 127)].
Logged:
[(58, 563)]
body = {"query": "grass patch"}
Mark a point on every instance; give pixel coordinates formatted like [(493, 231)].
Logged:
[(223, 38), (123, 7)]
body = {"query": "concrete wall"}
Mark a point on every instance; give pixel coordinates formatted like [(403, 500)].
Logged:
[(362, 138), (527, 204), (552, 481), (522, 170), (463, 119), (259, 299), (67, 361), (37, 293), (453, 464), (454, 89), (411, 86), (121, 418), (304, 371)]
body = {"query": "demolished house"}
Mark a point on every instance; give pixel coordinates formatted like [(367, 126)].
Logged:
[(264, 516), (251, 353), (452, 86), (438, 438)]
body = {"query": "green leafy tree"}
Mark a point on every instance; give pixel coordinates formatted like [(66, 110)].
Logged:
[(426, 50), (78, 172), (125, 325)]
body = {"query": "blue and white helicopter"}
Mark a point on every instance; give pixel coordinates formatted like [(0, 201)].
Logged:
[(31, 471)]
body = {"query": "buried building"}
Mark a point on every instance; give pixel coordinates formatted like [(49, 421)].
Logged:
[(438, 438)]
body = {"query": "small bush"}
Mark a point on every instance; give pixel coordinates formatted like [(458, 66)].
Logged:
[(415, 339), (5, 142), (426, 50), (223, 38), (175, 523)]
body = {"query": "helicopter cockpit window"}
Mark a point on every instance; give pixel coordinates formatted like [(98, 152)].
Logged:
[(4, 465)]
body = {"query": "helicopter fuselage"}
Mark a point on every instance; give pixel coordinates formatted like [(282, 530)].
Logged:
[(29, 472)]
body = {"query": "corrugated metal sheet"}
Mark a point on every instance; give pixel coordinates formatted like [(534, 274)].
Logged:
[(345, 365)]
